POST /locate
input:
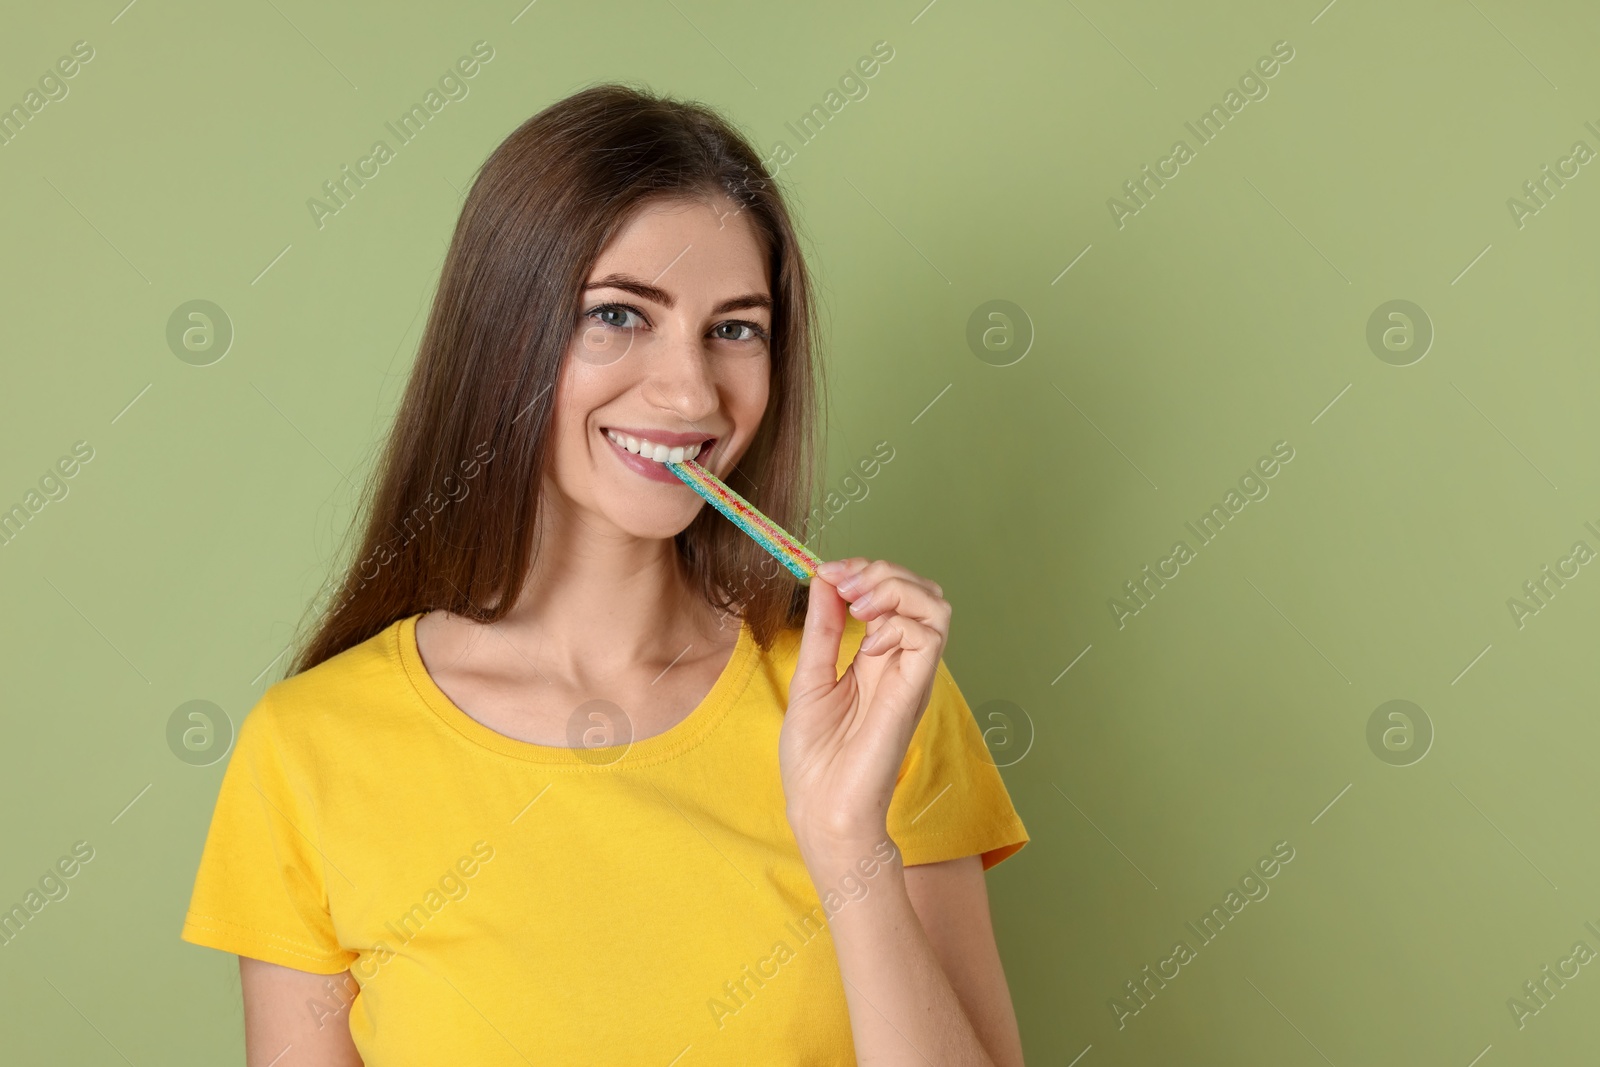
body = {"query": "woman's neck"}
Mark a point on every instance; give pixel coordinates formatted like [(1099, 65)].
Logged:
[(596, 601)]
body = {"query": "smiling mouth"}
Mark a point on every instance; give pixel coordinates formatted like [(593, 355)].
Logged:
[(644, 448)]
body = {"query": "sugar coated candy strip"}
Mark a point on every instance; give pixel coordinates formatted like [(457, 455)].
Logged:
[(782, 545)]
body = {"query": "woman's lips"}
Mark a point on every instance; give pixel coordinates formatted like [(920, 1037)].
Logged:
[(652, 469)]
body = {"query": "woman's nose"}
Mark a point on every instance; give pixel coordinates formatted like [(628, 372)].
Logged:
[(680, 380)]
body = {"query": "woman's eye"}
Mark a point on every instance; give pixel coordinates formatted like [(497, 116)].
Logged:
[(752, 331), (616, 316)]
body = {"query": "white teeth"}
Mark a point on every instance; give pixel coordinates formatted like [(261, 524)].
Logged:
[(651, 450)]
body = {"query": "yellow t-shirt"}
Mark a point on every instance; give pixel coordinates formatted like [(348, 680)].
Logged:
[(504, 902)]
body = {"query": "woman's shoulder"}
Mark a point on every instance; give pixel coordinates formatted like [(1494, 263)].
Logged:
[(364, 679)]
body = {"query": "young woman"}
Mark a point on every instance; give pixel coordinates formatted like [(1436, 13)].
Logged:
[(569, 771)]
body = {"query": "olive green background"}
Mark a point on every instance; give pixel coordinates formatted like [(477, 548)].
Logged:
[(1228, 314)]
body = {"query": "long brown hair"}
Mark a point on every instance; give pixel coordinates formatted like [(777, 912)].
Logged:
[(449, 517)]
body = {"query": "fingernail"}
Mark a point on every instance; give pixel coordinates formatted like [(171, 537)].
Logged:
[(861, 605), (831, 569), (871, 641), (850, 585)]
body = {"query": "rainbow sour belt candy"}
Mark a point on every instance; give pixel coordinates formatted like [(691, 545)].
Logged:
[(801, 561)]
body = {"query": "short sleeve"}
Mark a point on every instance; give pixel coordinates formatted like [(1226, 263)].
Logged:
[(260, 890), (949, 800)]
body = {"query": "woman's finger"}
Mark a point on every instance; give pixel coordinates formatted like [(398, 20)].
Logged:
[(863, 575), (817, 663), (901, 596), (836, 571), (920, 645)]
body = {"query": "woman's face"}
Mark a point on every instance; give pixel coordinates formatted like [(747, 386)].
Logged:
[(668, 352)]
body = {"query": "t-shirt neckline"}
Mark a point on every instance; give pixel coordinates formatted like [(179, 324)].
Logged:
[(682, 736)]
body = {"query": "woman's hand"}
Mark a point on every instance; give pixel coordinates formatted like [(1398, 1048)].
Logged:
[(844, 739)]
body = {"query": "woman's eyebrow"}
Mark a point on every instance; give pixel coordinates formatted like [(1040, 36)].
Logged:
[(665, 299)]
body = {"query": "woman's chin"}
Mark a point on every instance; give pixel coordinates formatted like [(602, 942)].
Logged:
[(652, 524)]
